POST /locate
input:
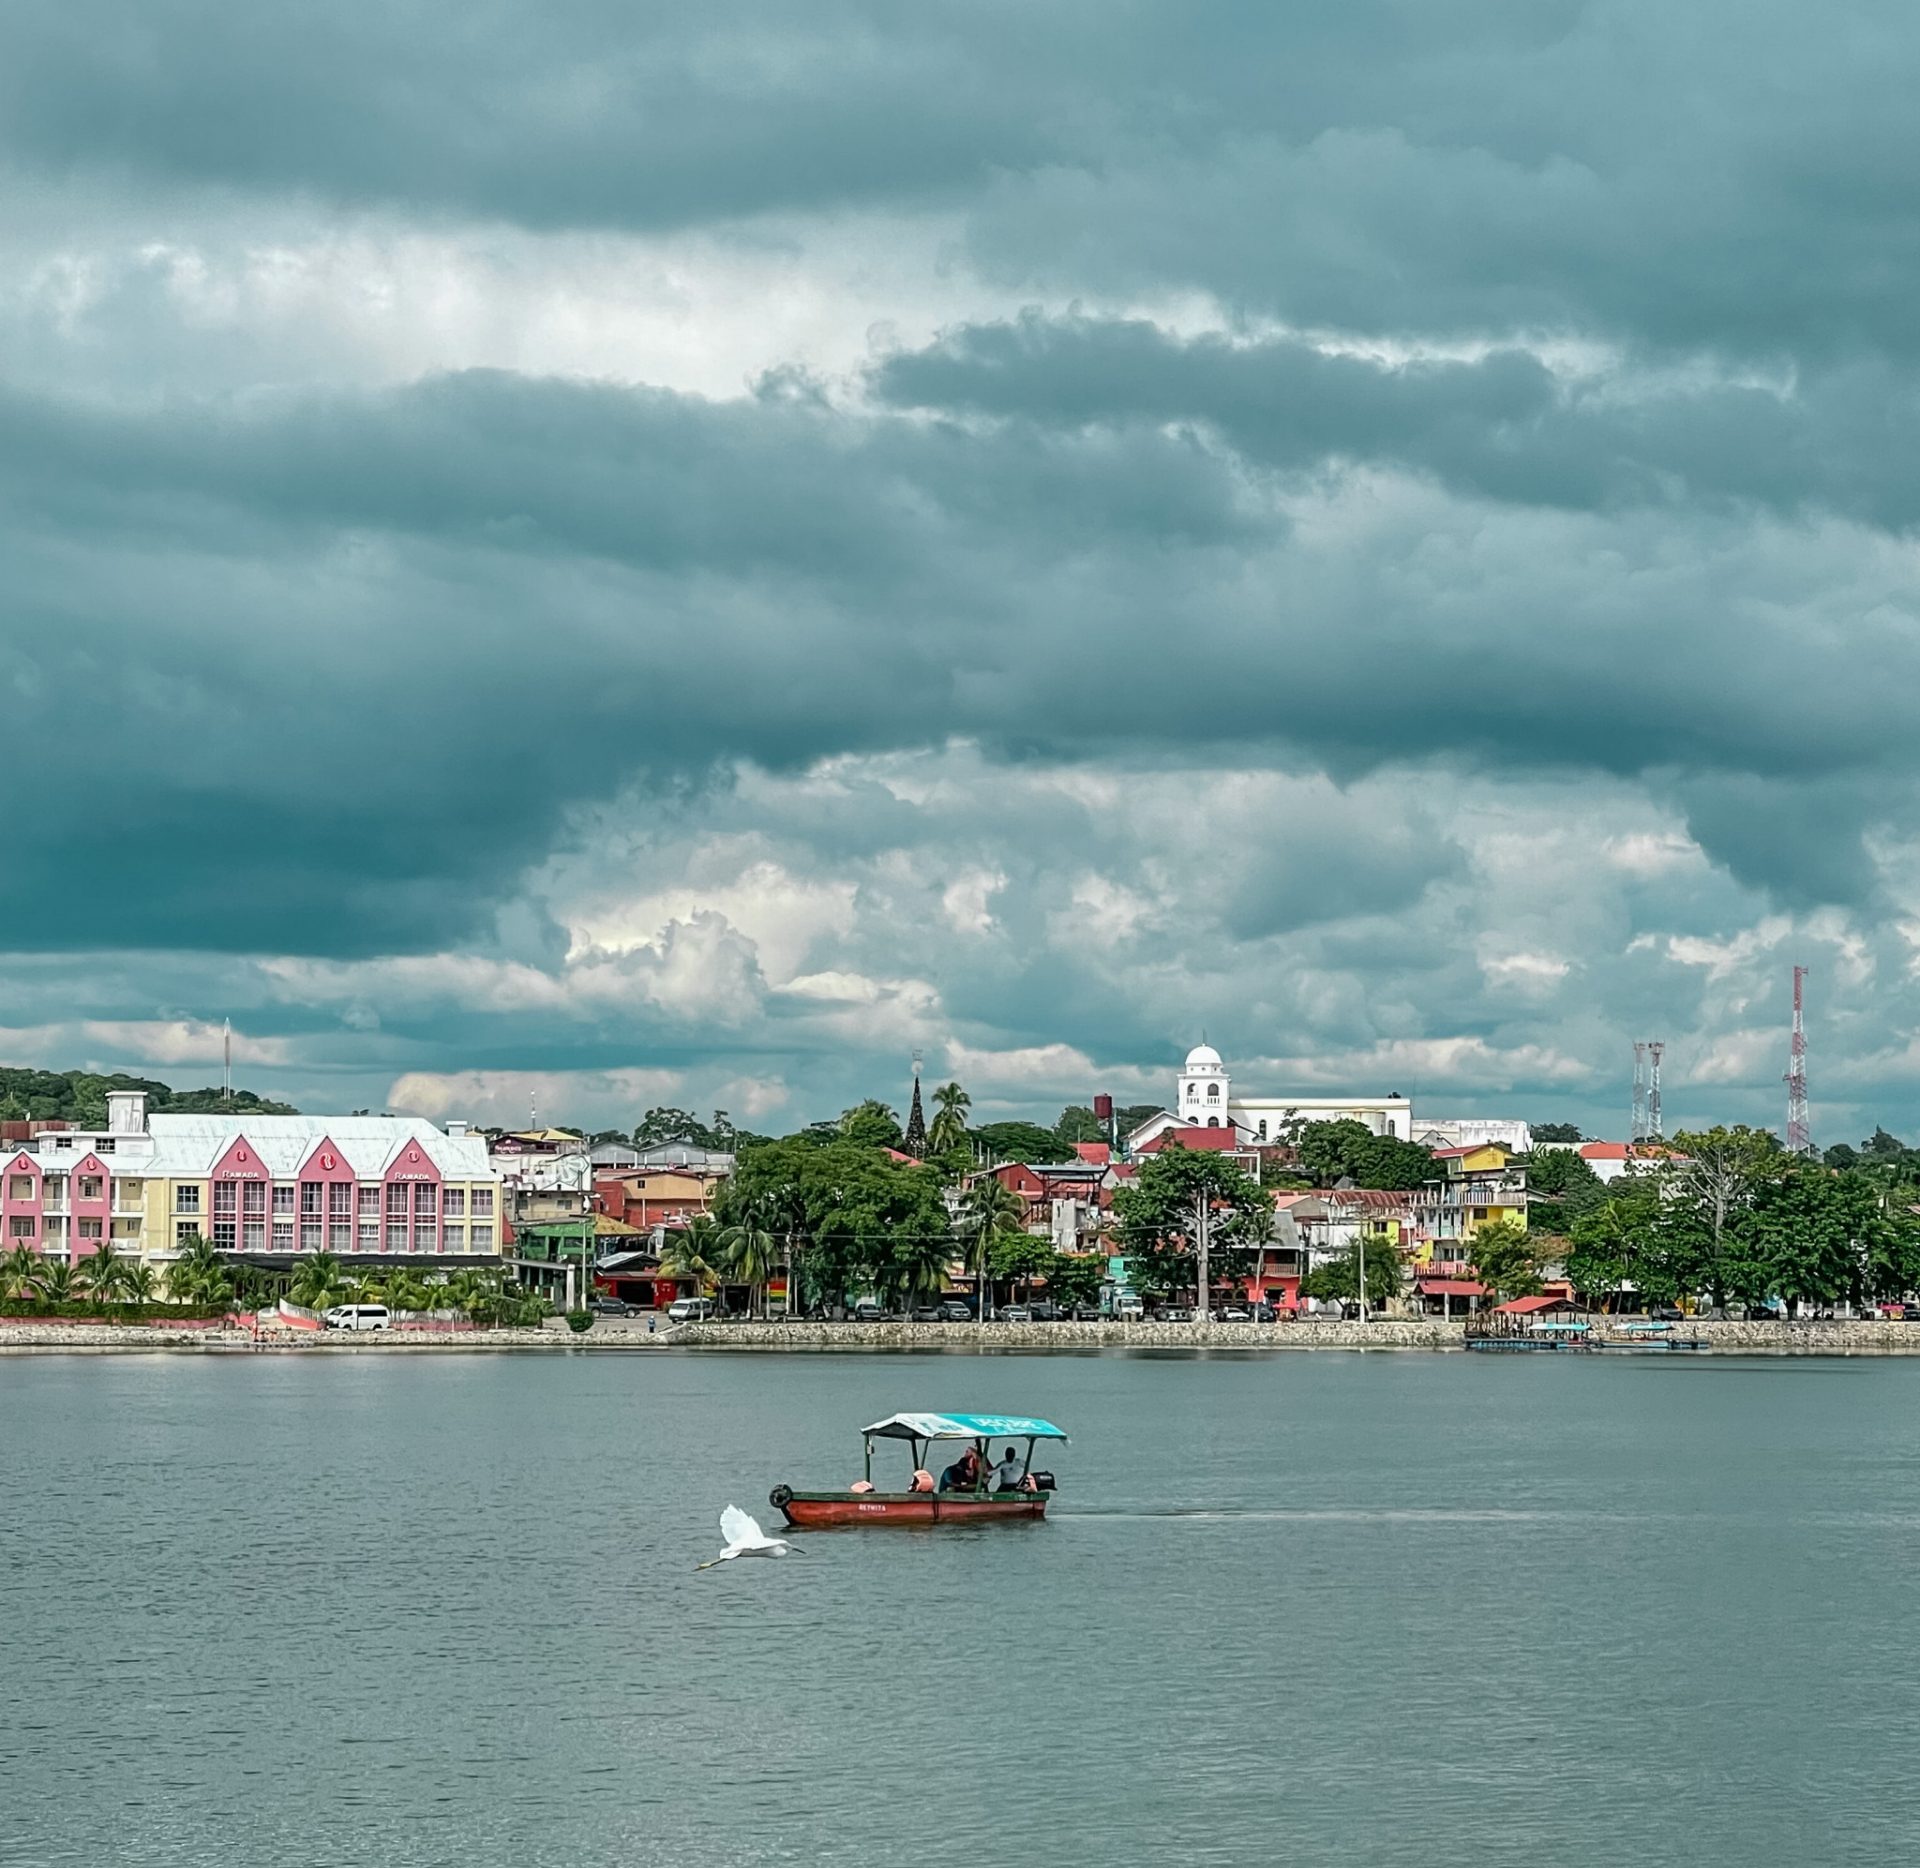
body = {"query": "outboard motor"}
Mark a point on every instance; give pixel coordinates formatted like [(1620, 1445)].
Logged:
[(1043, 1482)]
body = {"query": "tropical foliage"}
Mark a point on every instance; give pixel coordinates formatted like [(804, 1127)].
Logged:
[(949, 1126), (1159, 1220)]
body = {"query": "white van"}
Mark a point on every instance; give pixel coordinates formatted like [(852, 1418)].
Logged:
[(690, 1310), (358, 1317)]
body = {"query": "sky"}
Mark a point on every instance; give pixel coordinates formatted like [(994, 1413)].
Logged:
[(594, 555)]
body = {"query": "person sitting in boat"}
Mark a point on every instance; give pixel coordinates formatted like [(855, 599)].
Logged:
[(1007, 1475), (963, 1475), (922, 1480)]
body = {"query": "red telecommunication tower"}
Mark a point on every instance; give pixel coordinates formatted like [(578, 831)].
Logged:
[(1799, 1127)]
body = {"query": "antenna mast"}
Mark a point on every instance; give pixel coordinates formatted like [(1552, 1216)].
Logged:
[(1654, 1047), (1637, 1129), (1799, 1126)]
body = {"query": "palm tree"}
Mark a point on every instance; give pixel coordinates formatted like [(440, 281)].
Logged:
[(949, 1130), (18, 1270), (407, 1290), (199, 1274), (105, 1274), (989, 1208), (54, 1282), (319, 1281), (917, 1266), (747, 1251), (691, 1253), (138, 1285)]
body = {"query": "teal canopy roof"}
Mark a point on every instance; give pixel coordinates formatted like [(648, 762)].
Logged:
[(963, 1427)]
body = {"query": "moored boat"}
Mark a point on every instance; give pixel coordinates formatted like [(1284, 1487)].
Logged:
[(927, 1501)]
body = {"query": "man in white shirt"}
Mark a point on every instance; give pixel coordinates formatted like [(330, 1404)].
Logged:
[(1007, 1475)]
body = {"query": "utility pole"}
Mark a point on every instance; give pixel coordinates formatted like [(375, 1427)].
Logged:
[(1360, 1245), (1201, 1218)]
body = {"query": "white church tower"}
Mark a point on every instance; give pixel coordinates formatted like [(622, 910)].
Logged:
[(1205, 1090)]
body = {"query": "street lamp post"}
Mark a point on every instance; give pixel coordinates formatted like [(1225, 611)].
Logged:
[(1204, 1316)]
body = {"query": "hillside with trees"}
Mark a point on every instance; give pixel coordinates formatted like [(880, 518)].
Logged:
[(80, 1097)]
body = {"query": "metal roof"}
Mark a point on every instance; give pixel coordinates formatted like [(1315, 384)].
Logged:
[(963, 1427)]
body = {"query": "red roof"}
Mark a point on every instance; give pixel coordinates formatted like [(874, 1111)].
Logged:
[(1099, 1153), (1451, 1287), (1605, 1151), (1217, 1140), (1529, 1306)]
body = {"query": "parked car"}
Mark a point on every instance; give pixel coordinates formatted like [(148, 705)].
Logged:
[(1233, 1313), (1127, 1308), (1084, 1313), (954, 1310), (1173, 1313), (1044, 1312), (868, 1310), (691, 1310), (1015, 1313), (604, 1306), (358, 1317)]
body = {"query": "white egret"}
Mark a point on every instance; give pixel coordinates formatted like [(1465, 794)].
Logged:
[(745, 1538)]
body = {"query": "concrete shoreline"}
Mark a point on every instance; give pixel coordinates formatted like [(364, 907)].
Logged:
[(1859, 1338)]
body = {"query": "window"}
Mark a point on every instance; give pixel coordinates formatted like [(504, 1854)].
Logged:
[(283, 1235), (369, 1202), (453, 1203), (339, 1235), (20, 1226), (309, 1199), (256, 1235), (186, 1198), (223, 1235), (309, 1235), (1213, 1092), (483, 1203), (253, 1199), (1263, 1133), (369, 1235), (455, 1238), (482, 1239), (396, 1197), (225, 1199), (54, 1190), (340, 1200), (20, 1187), (426, 1201), (396, 1235), (103, 1144), (91, 1186), (183, 1230), (283, 1198)]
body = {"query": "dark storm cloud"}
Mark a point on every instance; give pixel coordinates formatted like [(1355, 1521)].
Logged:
[(1503, 426), (364, 650), (1726, 176)]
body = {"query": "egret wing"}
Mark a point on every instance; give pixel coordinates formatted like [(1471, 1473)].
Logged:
[(737, 1528)]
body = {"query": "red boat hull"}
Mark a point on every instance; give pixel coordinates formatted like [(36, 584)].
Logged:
[(820, 1510)]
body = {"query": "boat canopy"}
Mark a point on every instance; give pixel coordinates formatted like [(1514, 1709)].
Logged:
[(963, 1427)]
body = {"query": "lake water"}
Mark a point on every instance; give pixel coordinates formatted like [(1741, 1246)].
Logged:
[(404, 1610)]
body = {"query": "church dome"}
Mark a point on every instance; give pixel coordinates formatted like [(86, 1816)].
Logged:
[(1203, 1057)]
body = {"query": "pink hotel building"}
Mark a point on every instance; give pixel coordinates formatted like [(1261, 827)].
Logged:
[(266, 1187)]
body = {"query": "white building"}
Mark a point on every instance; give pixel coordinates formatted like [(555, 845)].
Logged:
[(1467, 1131), (1204, 1097)]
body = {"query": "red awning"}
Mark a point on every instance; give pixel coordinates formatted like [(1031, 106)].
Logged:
[(1451, 1287)]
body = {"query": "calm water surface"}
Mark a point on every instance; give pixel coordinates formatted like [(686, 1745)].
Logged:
[(1310, 1608)]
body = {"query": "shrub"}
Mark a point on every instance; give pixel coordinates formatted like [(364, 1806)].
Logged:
[(579, 1321), (28, 1308)]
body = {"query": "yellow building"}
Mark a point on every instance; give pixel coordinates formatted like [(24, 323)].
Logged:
[(1479, 1184)]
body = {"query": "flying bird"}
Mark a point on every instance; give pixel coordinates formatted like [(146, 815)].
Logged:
[(745, 1538)]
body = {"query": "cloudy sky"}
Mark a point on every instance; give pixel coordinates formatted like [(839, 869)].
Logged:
[(680, 553)]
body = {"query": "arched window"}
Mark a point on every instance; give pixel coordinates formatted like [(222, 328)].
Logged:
[(1213, 1122), (1193, 1092), (1263, 1128)]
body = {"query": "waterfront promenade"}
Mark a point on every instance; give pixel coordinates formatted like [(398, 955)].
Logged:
[(617, 1337)]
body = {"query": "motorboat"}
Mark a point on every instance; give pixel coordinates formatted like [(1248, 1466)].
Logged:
[(923, 1500)]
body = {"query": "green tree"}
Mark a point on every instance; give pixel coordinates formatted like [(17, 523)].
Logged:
[(319, 1281), (104, 1274), (199, 1274), (1561, 1185), (871, 1123), (1019, 1258), (748, 1253), (950, 1106), (17, 1271), (1714, 1181), (1338, 1280), (139, 1286), (1331, 1152), (692, 1254), (1555, 1132), (1076, 1277), (1158, 1218), (1021, 1141), (1617, 1245), (1504, 1259), (55, 1282)]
